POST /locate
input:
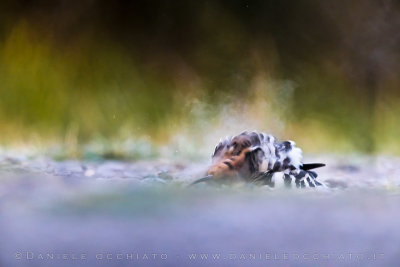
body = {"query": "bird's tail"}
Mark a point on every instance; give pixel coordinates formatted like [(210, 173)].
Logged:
[(310, 166), (300, 178)]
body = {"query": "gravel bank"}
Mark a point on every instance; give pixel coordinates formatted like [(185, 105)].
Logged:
[(114, 213)]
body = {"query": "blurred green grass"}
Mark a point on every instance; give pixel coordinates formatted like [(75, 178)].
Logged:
[(91, 89)]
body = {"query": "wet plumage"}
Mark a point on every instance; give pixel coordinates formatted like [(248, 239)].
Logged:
[(262, 159)]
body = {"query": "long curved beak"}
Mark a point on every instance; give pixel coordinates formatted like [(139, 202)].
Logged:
[(204, 179)]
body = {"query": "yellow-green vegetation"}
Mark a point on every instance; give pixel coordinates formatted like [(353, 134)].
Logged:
[(180, 76)]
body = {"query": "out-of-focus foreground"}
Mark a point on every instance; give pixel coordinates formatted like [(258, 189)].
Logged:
[(121, 213)]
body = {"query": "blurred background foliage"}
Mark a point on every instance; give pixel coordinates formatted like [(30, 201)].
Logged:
[(142, 77)]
